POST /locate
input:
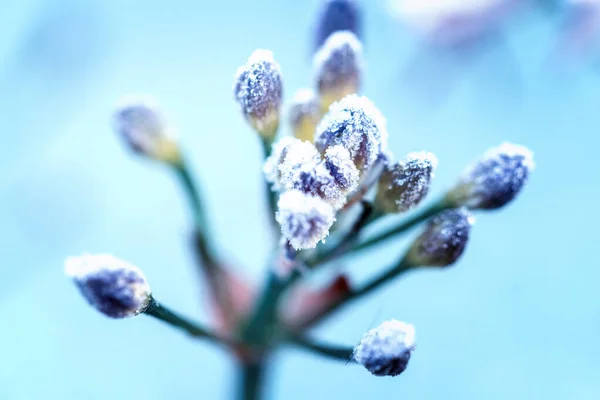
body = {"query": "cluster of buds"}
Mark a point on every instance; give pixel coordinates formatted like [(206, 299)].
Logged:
[(336, 156)]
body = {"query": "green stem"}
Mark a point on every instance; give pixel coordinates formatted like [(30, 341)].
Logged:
[(158, 311), (342, 353), (270, 194), (250, 386)]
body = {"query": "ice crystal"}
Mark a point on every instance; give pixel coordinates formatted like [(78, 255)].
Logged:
[(305, 220), (271, 165), (258, 89), (386, 350), (495, 179), (405, 184), (114, 287), (355, 124), (337, 15), (342, 169), (444, 239)]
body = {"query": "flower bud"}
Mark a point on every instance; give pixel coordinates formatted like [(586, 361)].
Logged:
[(355, 124), (258, 89), (305, 114), (341, 168), (405, 184), (338, 67), (112, 286), (495, 179), (334, 16), (305, 220), (385, 350), (443, 241), (272, 163), (140, 123)]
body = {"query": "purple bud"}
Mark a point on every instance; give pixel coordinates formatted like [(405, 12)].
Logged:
[(334, 16)]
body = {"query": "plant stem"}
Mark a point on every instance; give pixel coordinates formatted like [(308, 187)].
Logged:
[(250, 386), (271, 195), (158, 311), (342, 353)]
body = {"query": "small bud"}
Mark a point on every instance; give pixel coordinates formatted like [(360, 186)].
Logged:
[(305, 220), (334, 16), (305, 114), (258, 89), (140, 123), (405, 184), (112, 286), (385, 350), (341, 168), (444, 239), (355, 124), (272, 163), (495, 179), (338, 67)]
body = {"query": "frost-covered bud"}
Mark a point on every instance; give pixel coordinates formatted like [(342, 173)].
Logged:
[(403, 185), (139, 122), (444, 239), (338, 67), (355, 124), (342, 169), (334, 16), (305, 220), (305, 114), (272, 163), (112, 286), (258, 89), (385, 350), (495, 179)]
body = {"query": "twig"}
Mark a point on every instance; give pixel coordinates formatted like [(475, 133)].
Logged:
[(342, 353)]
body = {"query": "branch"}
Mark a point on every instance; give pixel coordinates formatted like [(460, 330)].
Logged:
[(271, 195), (250, 384), (342, 353)]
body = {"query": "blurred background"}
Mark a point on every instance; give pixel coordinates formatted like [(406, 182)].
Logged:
[(518, 317)]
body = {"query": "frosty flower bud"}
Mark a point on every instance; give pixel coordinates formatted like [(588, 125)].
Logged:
[(140, 123), (112, 286), (305, 220), (355, 124), (334, 16), (338, 66), (385, 350), (403, 185), (444, 239), (341, 168), (495, 179), (305, 114), (272, 163), (258, 90)]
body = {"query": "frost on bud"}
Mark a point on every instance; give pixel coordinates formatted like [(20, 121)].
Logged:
[(139, 122), (495, 179), (334, 16), (342, 169), (305, 220), (355, 124), (444, 239), (272, 163), (386, 350), (258, 90), (305, 114), (338, 66), (405, 184), (112, 286)]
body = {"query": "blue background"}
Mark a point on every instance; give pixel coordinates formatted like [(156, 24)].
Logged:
[(518, 317)]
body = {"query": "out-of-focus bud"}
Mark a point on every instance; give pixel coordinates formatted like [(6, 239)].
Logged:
[(138, 120), (355, 124), (338, 67), (342, 168), (405, 184), (443, 241), (272, 163), (258, 90), (495, 179), (334, 16), (304, 170), (305, 114), (305, 220), (112, 286), (386, 350)]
